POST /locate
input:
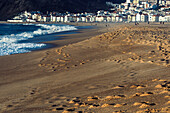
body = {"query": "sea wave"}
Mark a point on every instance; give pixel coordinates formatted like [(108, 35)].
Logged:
[(9, 43)]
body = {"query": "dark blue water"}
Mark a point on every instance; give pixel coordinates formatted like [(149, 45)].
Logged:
[(7, 29), (22, 38)]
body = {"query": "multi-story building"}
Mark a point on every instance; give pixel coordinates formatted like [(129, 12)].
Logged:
[(133, 18), (131, 11), (135, 2), (144, 18), (155, 18), (129, 18)]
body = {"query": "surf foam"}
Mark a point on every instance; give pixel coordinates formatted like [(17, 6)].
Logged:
[(9, 43)]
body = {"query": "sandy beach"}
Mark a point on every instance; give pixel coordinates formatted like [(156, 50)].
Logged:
[(114, 68)]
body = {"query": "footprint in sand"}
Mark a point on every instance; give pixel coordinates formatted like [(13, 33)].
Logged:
[(94, 106), (165, 91), (108, 97), (142, 94), (121, 111), (168, 102), (146, 104), (70, 109), (82, 63), (33, 91), (119, 86), (146, 94), (137, 103), (165, 85), (143, 104), (167, 96), (154, 80), (119, 96), (138, 86), (132, 74), (5, 107), (92, 98), (150, 111), (92, 87), (162, 80), (9, 106), (107, 105), (76, 101), (58, 109), (74, 65), (54, 105), (120, 105)]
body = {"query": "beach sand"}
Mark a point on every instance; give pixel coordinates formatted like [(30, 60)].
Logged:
[(121, 68)]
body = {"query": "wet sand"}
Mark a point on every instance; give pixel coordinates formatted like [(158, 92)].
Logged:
[(121, 68)]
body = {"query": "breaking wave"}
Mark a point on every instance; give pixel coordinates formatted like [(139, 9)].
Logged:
[(9, 43)]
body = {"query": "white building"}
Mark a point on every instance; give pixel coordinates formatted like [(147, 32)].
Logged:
[(83, 18), (27, 14), (99, 19), (61, 18), (141, 17), (155, 18), (134, 18), (46, 18), (35, 16), (131, 8), (167, 2), (167, 18), (30, 20), (70, 18), (92, 19), (87, 19), (135, 2), (53, 18), (118, 18), (79, 19), (39, 18), (129, 18), (162, 19), (128, 1), (109, 19), (150, 16), (66, 19), (16, 18), (144, 18), (138, 17)]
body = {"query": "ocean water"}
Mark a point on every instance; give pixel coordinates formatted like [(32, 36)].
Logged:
[(13, 37)]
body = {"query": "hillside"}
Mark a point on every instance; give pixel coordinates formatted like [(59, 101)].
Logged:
[(9, 8)]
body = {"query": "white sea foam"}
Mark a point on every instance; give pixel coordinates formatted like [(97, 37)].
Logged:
[(9, 43)]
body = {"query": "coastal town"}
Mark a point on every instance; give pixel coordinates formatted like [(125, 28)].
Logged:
[(65, 56), (130, 11)]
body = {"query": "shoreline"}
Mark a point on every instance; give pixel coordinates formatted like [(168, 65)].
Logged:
[(62, 35), (48, 38), (117, 68)]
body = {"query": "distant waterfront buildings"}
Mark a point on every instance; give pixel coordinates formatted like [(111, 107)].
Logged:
[(130, 11)]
